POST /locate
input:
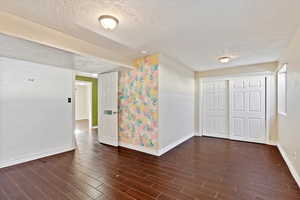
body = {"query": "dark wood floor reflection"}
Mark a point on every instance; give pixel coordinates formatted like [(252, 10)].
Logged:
[(201, 168)]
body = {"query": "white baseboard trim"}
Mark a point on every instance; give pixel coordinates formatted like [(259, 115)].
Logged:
[(35, 156), (139, 148), (272, 143), (198, 134), (219, 136), (289, 164), (174, 144)]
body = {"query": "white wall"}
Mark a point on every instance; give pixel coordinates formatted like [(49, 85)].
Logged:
[(21, 49), (12, 47), (35, 118), (289, 126), (81, 102), (176, 102)]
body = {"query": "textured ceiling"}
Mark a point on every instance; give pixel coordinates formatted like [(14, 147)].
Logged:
[(195, 32)]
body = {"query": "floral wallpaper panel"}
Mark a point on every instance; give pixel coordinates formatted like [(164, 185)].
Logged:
[(138, 103)]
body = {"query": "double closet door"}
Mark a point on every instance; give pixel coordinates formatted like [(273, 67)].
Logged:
[(235, 109)]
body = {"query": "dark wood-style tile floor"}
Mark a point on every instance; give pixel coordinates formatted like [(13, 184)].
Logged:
[(201, 168)]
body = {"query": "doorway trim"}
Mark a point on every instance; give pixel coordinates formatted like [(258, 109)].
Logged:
[(89, 99), (269, 87)]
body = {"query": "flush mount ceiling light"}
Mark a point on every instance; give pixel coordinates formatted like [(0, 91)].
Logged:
[(224, 59), (108, 22)]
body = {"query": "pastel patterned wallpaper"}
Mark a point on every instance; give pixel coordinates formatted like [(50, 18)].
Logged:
[(138, 103)]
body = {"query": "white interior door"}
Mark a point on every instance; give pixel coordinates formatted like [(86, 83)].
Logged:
[(108, 109), (247, 109), (215, 109)]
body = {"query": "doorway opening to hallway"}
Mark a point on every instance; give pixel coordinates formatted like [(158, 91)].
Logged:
[(83, 106)]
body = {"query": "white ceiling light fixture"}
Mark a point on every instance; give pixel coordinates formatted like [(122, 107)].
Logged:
[(224, 59), (108, 22)]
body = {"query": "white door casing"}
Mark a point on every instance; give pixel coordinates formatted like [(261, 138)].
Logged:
[(248, 109), (215, 109), (85, 100), (108, 108)]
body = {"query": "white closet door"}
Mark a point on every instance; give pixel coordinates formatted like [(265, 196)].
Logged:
[(215, 109), (247, 109)]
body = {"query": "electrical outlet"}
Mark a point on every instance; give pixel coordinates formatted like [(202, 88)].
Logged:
[(295, 155)]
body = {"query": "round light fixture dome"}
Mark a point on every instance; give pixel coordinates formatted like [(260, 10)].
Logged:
[(108, 22), (224, 59)]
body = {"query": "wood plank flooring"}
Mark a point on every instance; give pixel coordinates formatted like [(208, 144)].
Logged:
[(199, 169)]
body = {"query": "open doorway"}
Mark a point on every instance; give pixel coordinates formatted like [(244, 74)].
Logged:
[(83, 106), (89, 89)]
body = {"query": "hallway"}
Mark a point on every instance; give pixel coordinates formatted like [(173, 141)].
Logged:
[(201, 168)]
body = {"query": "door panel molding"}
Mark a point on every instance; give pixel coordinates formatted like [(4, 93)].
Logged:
[(253, 112), (215, 109), (254, 108), (108, 108)]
